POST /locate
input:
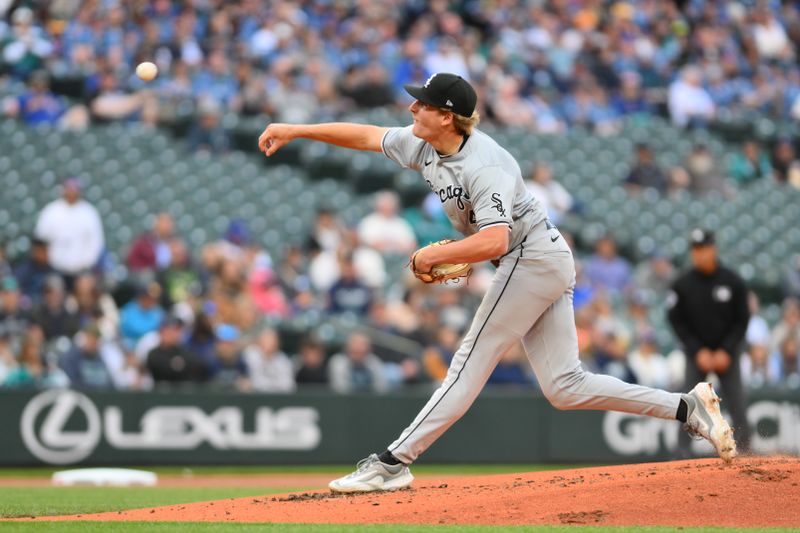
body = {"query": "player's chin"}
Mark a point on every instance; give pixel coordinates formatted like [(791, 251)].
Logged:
[(418, 130)]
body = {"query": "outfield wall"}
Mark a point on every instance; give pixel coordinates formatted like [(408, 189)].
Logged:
[(66, 427)]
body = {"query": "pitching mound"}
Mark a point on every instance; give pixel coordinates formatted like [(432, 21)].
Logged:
[(752, 492)]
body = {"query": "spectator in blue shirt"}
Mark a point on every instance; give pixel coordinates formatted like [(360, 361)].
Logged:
[(349, 294), (32, 271), (229, 370), (216, 82), (605, 269), (38, 105), (141, 315), (511, 368), (629, 100)]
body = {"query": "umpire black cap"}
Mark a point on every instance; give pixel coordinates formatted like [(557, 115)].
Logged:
[(448, 91), (701, 237)]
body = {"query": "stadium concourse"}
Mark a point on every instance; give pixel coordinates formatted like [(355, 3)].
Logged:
[(272, 275)]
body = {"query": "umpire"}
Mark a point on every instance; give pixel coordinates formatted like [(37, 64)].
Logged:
[(709, 313)]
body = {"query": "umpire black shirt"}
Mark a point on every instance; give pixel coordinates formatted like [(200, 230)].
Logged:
[(709, 310), (176, 364)]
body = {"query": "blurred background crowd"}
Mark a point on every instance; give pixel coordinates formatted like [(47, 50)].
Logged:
[(216, 314), (547, 66)]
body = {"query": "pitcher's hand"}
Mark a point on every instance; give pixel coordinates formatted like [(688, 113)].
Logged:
[(273, 137)]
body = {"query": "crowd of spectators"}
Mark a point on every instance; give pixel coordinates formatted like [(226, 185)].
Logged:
[(218, 318), (702, 173), (546, 66)]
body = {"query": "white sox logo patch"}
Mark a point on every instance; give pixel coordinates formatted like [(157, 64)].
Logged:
[(428, 82), (498, 204), (722, 293)]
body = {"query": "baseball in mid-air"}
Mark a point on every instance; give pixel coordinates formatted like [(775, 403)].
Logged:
[(147, 70)]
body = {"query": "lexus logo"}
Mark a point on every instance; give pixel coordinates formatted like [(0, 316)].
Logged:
[(65, 426), (53, 443)]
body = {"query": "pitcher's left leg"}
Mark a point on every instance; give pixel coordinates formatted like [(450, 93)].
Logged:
[(491, 333)]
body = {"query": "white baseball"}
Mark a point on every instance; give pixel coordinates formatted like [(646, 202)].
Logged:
[(147, 71)]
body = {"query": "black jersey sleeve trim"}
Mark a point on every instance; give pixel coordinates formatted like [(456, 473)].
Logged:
[(383, 140), (495, 223)]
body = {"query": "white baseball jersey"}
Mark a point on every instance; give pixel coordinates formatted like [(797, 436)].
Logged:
[(528, 300), (480, 185)]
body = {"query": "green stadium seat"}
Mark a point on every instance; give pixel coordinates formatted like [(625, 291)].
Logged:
[(747, 271), (678, 246), (133, 172), (644, 246)]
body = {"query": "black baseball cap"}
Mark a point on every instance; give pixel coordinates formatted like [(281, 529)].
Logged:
[(448, 91), (701, 237)]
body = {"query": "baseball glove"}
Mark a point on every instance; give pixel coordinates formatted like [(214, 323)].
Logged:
[(443, 272)]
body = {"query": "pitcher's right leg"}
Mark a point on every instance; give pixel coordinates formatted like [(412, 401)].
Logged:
[(552, 349)]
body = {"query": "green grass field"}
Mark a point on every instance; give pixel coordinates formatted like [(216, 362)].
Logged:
[(48, 501), (423, 469)]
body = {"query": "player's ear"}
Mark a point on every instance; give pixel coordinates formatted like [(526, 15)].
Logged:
[(447, 118)]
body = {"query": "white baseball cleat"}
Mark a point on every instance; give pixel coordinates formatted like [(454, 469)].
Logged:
[(373, 475), (705, 419)]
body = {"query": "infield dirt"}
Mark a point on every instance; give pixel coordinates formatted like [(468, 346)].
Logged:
[(751, 492)]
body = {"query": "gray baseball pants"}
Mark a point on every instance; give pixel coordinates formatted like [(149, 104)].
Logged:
[(529, 299)]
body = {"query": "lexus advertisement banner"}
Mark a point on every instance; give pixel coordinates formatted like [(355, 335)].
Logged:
[(70, 427)]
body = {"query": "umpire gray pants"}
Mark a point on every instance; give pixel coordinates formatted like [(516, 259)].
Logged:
[(529, 299)]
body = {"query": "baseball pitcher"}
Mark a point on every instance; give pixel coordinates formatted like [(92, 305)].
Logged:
[(530, 297)]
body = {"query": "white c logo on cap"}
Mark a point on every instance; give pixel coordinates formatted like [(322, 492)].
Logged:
[(428, 82), (53, 444)]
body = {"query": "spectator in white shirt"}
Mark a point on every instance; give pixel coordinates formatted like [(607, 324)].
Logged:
[(553, 196), (384, 229), (269, 368), (73, 230), (769, 35), (757, 328), (448, 57), (689, 103), (328, 230), (649, 366), (323, 266)]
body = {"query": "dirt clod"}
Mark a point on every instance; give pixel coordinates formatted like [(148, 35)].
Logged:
[(759, 474), (591, 517)]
